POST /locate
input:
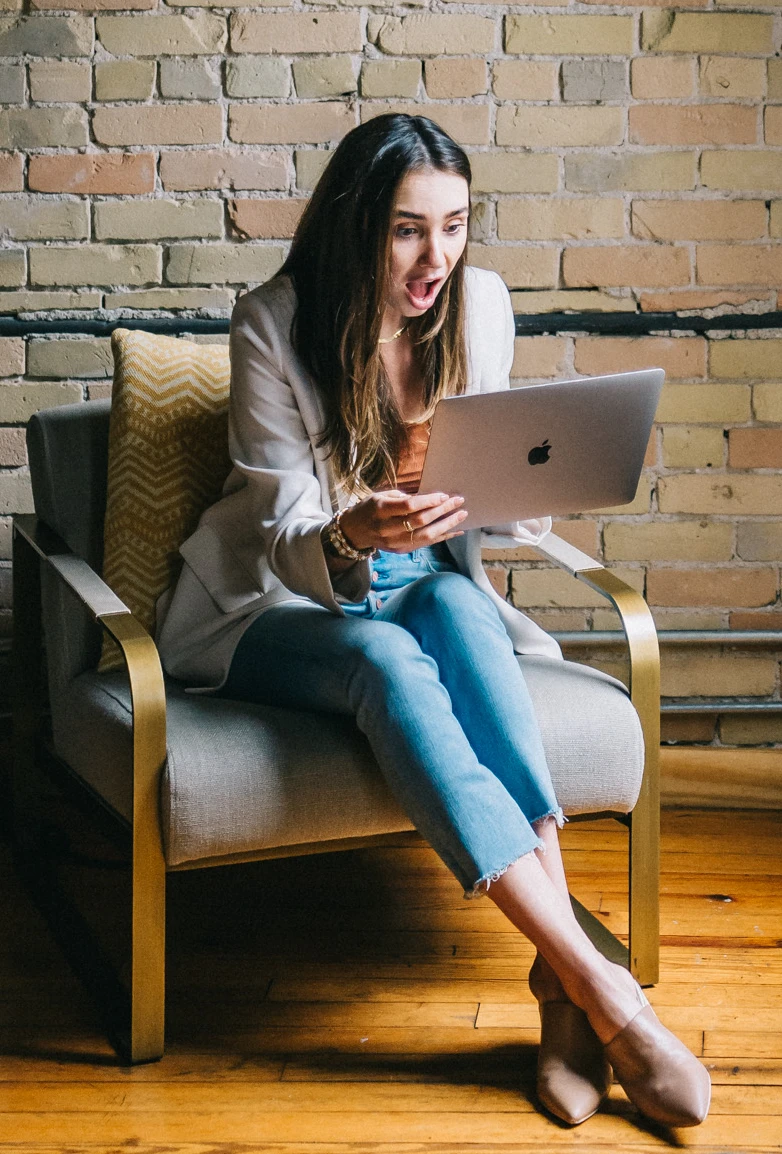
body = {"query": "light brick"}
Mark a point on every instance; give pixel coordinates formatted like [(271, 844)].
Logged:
[(466, 123), (727, 495), (755, 449), (773, 125), (693, 447), (693, 124), (96, 173), (158, 219), (759, 540), (96, 264), (739, 264), (16, 496), (12, 267), (631, 172), (703, 404), (168, 298), (13, 453), (525, 80), (310, 164), (668, 31), (70, 358), (775, 219), (732, 76), (560, 219), (390, 78), (124, 80), (686, 299), (775, 79), (549, 588), (632, 265), (698, 219), (538, 357), (22, 301), (53, 81), (93, 5), (662, 78), (712, 587), (296, 32), (43, 128), (41, 219), (518, 266), (221, 168), (668, 541), (587, 81), (324, 76), (683, 358), (222, 263), (250, 76), (433, 35), (11, 357), (742, 171), (161, 124), (46, 36), (514, 172), (569, 35), (11, 172), (737, 729), (265, 219), (767, 401), (571, 300), (448, 78), (19, 402), (545, 127), (196, 35), (11, 83), (695, 673), (313, 123), (185, 79)]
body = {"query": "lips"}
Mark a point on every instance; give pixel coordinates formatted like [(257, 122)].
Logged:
[(422, 292)]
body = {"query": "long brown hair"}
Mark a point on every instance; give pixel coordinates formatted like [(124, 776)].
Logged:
[(339, 263)]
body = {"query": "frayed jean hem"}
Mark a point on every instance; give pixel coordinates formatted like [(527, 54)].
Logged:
[(481, 887)]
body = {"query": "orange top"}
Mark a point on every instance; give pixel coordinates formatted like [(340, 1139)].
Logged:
[(411, 457)]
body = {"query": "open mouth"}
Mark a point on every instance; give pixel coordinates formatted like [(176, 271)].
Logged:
[(422, 293)]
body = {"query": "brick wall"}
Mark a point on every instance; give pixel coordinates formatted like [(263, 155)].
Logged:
[(627, 159)]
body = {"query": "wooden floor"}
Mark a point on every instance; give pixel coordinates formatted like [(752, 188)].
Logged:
[(355, 1002)]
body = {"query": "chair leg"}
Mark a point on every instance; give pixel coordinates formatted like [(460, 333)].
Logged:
[(148, 933), (644, 898)]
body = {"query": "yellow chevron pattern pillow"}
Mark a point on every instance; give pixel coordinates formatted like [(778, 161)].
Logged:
[(168, 459)]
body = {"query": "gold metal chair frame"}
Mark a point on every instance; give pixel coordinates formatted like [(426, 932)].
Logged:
[(34, 542)]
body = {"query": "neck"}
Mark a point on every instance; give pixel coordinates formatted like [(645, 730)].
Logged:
[(392, 322)]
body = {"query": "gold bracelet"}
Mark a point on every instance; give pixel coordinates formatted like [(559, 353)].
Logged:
[(340, 543)]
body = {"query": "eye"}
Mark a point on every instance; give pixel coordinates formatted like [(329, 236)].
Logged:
[(455, 227), (406, 230)]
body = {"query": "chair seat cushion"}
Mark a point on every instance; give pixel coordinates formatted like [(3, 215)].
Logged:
[(240, 778)]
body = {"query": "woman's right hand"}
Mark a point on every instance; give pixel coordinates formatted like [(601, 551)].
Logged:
[(378, 522)]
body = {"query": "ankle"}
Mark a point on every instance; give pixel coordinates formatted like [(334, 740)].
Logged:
[(544, 983)]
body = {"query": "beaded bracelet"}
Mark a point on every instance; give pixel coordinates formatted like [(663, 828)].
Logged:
[(338, 541)]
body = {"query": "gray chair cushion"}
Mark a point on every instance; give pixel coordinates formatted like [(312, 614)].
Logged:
[(241, 778)]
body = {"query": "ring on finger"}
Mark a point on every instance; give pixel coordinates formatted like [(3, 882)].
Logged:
[(410, 529)]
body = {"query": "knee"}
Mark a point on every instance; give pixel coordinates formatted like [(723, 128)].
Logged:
[(387, 651), (448, 595)]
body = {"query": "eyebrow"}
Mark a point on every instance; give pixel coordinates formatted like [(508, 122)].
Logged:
[(421, 216)]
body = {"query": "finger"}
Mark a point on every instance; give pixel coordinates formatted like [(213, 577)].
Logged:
[(406, 503), (436, 513), (430, 534)]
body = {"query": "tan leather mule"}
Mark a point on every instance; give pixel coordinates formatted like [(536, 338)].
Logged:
[(573, 1072)]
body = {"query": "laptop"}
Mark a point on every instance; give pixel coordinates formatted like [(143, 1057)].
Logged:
[(564, 447)]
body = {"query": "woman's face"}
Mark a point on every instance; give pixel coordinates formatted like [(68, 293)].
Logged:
[(429, 230)]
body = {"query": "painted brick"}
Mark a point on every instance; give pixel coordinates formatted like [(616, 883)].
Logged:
[(773, 125), (741, 171), (560, 219), (313, 123), (755, 449), (667, 31), (22, 301), (99, 173), (169, 298), (541, 127), (703, 404), (43, 128), (200, 34), (13, 452), (60, 80), (296, 32), (11, 83), (668, 541), (41, 220), (446, 78), (222, 263), (11, 357), (767, 401), (514, 172), (222, 168), (265, 219), (699, 219), (158, 219), (46, 36), (257, 76), (525, 79), (310, 164), (483, 221), (124, 80), (625, 172), (161, 124), (66, 358), (693, 124), (11, 172), (759, 540), (19, 402), (519, 267), (736, 729), (569, 35), (466, 123), (728, 495), (12, 267), (722, 586), (186, 79), (683, 358), (699, 299), (732, 76), (587, 81), (96, 264), (390, 77), (662, 77), (743, 359), (739, 264), (324, 76), (693, 447), (695, 673), (647, 265), (537, 357), (434, 35)]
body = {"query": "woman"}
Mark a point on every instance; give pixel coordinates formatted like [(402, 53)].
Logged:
[(324, 580)]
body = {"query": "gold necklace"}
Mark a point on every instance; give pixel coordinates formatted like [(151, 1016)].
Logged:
[(398, 333)]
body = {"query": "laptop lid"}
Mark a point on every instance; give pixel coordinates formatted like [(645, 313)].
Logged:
[(543, 449)]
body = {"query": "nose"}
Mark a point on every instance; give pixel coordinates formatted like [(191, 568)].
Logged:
[(432, 255)]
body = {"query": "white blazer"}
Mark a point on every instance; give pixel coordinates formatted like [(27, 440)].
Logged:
[(259, 545)]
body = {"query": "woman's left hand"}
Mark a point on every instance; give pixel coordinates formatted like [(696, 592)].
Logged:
[(398, 522)]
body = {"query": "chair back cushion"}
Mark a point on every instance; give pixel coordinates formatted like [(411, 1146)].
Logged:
[(167, 461)]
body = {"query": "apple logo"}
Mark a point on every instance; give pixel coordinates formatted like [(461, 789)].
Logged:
[(539, 455)]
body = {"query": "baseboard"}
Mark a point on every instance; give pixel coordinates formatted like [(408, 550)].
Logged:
[(706, 777)]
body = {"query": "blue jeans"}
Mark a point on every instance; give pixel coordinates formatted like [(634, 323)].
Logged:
[(427, 669)]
